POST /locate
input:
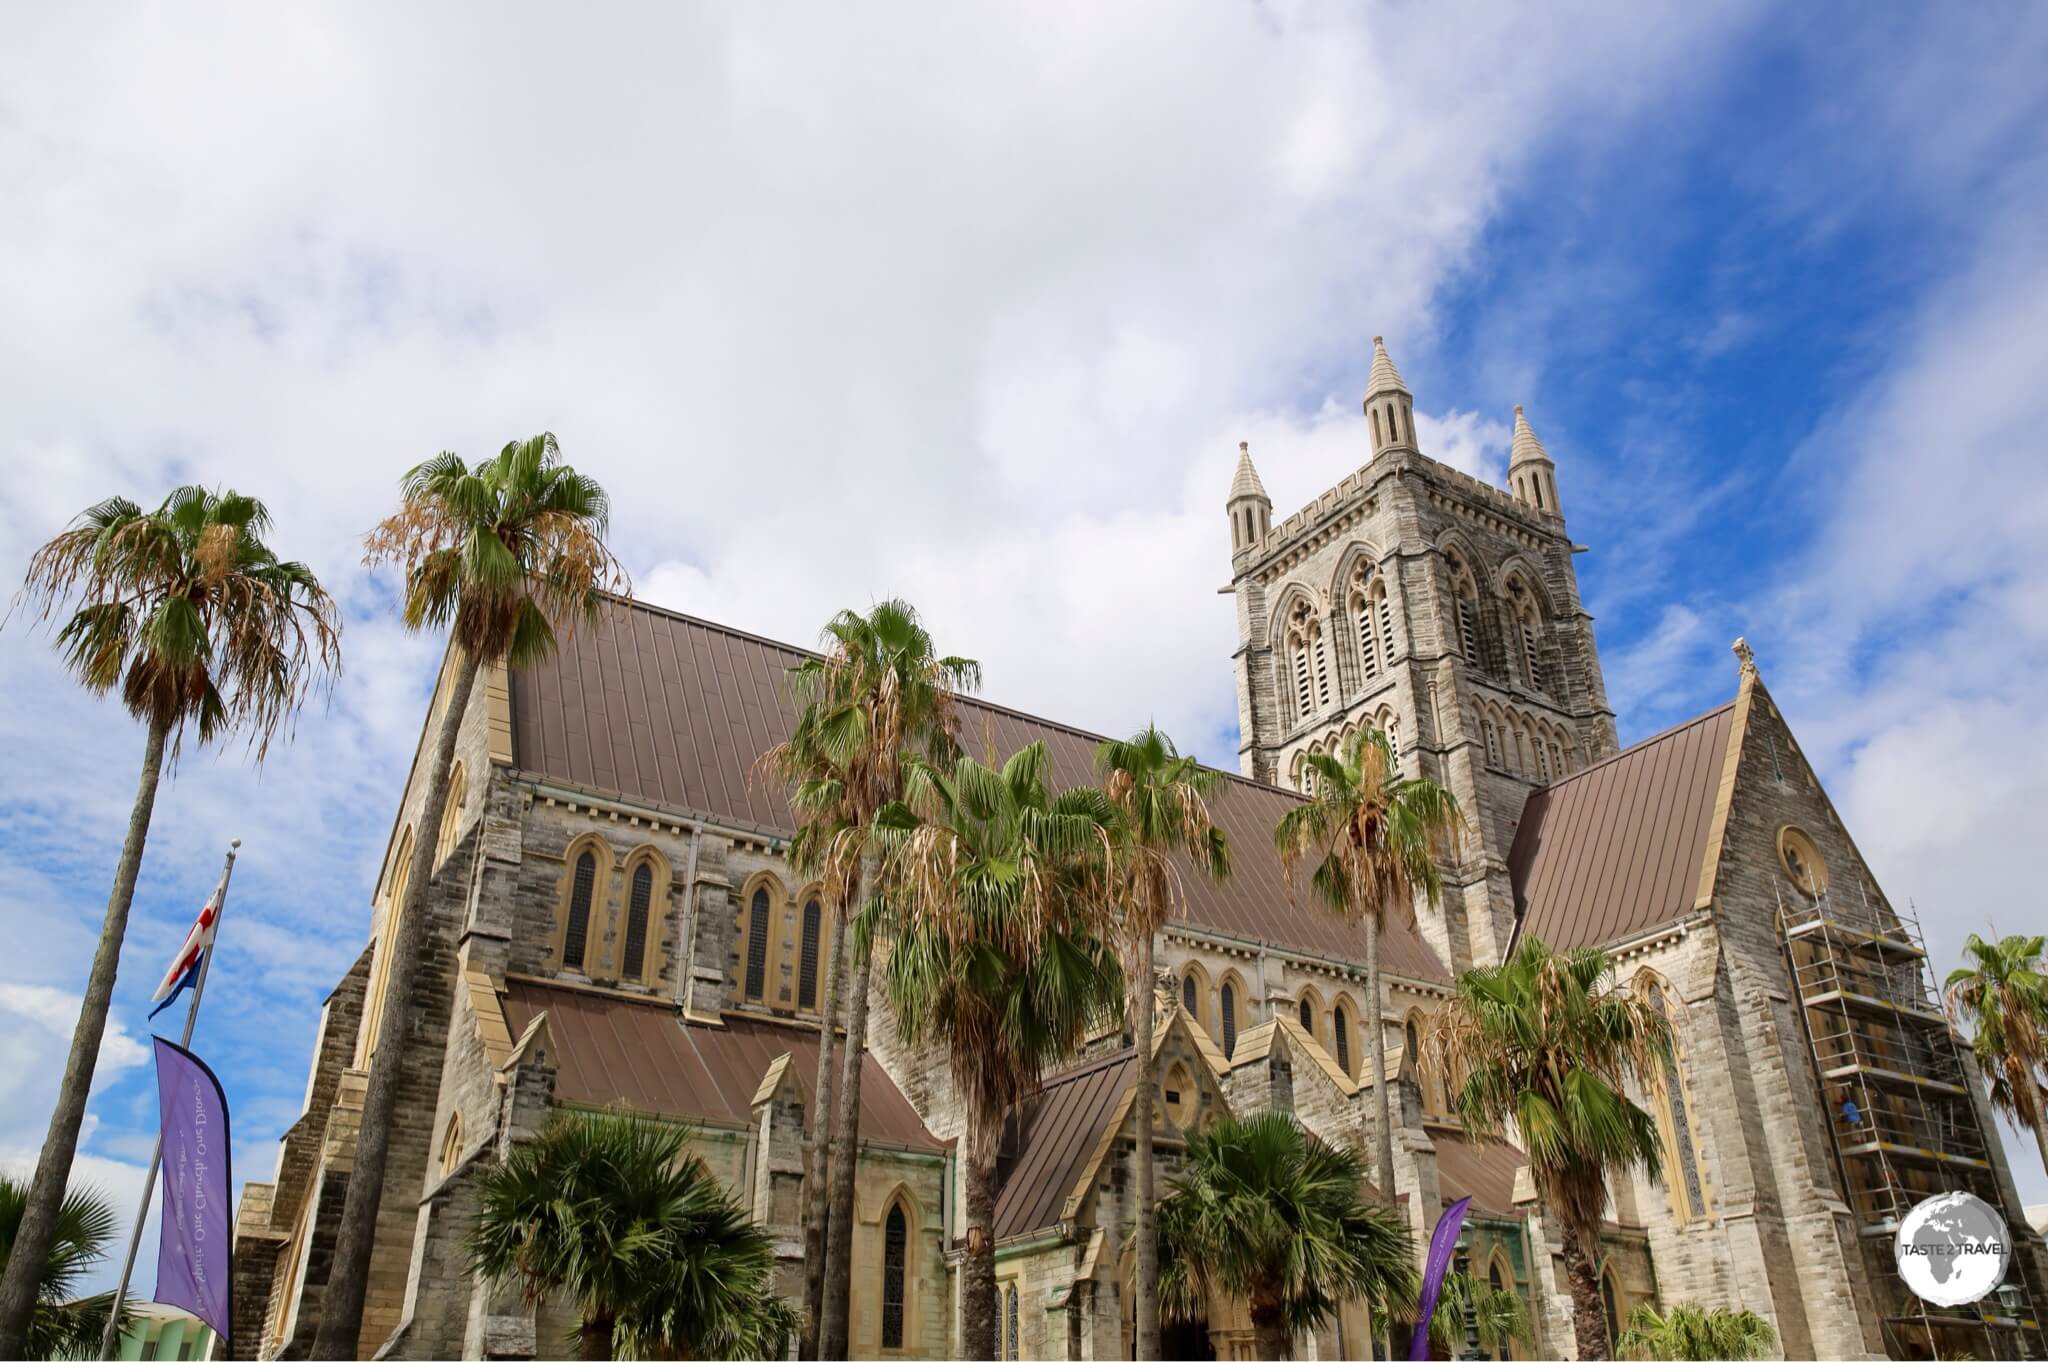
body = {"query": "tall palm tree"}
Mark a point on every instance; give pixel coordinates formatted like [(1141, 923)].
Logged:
[(1687, 1331), (1162, 810), (1376, 837), (607, 1211), (500, 554), (1544, 1042), (192, 616), (61, 1325), (1266, 1212), (991, 894), (2003, 995), (879, 695)]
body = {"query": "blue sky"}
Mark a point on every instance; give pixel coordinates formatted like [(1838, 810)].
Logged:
[(975, 307)]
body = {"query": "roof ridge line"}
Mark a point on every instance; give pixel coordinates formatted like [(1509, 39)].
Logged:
[(1638, 745), (635, 603)]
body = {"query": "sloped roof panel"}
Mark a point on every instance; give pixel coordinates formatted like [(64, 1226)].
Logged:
[(642, 1055), (667, 710), (1615, 849)]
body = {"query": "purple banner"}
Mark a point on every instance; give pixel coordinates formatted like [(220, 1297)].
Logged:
[(192, 1266), (1441, 1244)]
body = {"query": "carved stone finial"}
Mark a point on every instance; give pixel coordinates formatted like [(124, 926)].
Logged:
[(1746, 656)]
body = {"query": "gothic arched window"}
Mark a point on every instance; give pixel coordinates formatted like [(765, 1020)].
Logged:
[(757, 945), (1688, 1191), (1340, 1025), (1307, 1014), (451, 814), (1310, 660), (1528, 633), (1010, 1341), (1497, 1280), (1187, 995), (1368, 635), (451, 1144), (895, 1271), (576, 933), (637, 907), (1608, 1306), (807, 969), (1464, 638), (1229, 1009), (1492, 743)]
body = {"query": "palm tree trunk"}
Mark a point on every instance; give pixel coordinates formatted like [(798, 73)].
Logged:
[(818, 1138), (845, 1162), (38, 1227), (1271, 1336), (594, 1340), (1589, 1317), (978, 1335), (1380, 1128), (341, 1313), (1147, 1306), (2041, 1137)]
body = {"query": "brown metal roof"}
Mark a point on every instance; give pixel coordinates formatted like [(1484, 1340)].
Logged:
[(643, 1055), (1048, 1139), (664, 709), (1481, 1169), (1615, 849)]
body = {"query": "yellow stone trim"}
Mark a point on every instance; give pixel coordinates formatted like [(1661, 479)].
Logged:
[(1206, 1046), (1254, 1045), (491, 1028), (1731, 764), (498, 713), (771, 1079), (1110, 1133), (1313, 1048), (528, 1040)]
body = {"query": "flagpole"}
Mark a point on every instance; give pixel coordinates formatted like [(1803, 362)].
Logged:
[(220, 910)]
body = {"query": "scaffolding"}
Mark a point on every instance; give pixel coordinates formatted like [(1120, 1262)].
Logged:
[(1904, 1122)]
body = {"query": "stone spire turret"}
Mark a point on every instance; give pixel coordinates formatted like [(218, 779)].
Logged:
[(1251, 510), (1532, 477), (1389, 406)]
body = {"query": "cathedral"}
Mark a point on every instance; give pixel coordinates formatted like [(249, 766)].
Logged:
[(614, 923)]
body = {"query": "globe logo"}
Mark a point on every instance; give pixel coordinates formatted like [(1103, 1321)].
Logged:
[(1952, 1249)]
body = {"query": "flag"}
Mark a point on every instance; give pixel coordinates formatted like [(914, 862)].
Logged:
[(193, 1267), (184, 970), (1441, 1245)]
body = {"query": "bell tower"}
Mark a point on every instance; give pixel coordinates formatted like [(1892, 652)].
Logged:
[(1438, 608)]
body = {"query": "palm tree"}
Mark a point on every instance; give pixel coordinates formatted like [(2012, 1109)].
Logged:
[(1688, 1331), (2004, 998), (879, 694), (1161, 802), (1498, 1315), (1266, 1212), (61, 1326), (1376, 837), (990, 892), (191, 615), (1544, 1043), (606, 1211), (500, 554)]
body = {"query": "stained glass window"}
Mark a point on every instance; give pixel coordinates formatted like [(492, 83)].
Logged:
[(577, 933), (807, 970), (895, 1255), (757, 945), (636, 920)]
